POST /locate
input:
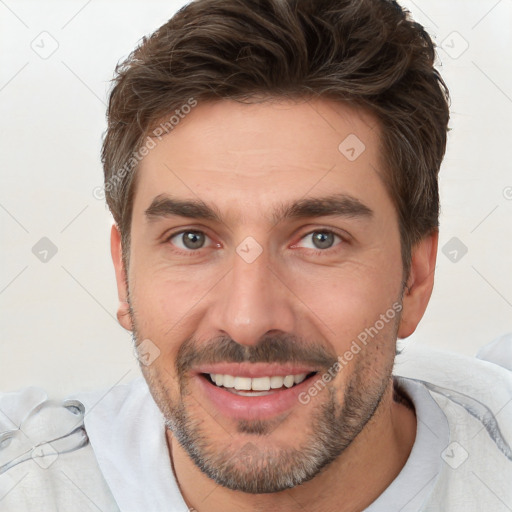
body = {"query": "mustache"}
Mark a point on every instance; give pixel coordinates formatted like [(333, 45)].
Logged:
[(271, 348)]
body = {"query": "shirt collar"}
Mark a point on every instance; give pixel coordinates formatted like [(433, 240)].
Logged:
[(127, 433)]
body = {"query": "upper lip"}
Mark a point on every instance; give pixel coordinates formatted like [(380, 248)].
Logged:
[(254, 370)]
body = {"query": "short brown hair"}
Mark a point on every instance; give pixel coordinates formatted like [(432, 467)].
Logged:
[(369, 53)]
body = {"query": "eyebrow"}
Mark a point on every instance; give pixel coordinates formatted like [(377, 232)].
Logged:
[(337, 205)]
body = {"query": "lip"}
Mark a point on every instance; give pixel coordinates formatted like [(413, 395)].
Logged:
[(251, 408), (254, 370)]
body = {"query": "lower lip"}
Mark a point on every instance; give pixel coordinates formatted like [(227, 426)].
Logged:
[(252, 407)]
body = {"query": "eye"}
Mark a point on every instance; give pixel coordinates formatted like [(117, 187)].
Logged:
[(321, 239), (189, 240)]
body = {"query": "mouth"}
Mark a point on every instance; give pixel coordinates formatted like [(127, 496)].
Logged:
[(254, 398), (256, 386)]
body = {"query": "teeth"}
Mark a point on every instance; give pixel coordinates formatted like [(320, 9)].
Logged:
[(276, 382), (257, 383), (243, 383), (261, 384), (297, 379), (229, 381), (288, 381)]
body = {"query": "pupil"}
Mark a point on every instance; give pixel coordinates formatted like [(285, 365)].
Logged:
[(193, 240), (323, 240)]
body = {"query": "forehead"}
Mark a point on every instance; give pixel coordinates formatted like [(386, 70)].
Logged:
[(238, 155)]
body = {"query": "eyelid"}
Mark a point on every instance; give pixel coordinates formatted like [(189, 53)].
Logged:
[(167, 239), (343, 236)]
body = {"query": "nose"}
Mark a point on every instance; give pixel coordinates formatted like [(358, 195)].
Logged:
[(252, 300)]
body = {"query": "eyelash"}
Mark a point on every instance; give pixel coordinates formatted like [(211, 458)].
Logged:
[(182, 252), (317, 252), (329, 250)]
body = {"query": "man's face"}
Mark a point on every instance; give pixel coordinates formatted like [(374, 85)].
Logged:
[(262, 279)]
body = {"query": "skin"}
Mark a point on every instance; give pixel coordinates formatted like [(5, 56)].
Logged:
[(245, 160)]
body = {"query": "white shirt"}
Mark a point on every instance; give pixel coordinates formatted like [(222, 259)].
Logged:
[(410, 489), (460, 461)]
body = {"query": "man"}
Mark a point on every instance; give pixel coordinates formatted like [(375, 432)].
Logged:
[(271, 166)]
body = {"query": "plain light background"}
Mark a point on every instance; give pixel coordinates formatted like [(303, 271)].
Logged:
[(58, 326)]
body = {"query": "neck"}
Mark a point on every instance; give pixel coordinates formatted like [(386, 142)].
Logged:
[(354, 480)]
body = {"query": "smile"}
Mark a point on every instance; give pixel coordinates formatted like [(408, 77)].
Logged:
[(253, 398), (258, 386)]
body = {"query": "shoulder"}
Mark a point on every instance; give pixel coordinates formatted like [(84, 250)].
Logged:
[(15, 405), (46, 461), (485, 380), (498, 351), (115, 398), (475, 397)]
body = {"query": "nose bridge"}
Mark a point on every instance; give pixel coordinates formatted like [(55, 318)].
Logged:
[(252, 300)]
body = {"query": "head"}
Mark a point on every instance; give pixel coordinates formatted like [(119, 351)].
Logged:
[(271, 166)]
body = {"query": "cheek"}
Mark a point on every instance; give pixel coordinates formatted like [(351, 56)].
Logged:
[(345, 301), (163, 296), (168, 304)]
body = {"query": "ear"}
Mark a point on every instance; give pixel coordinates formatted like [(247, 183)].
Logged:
[(419, 285), (123, 313)]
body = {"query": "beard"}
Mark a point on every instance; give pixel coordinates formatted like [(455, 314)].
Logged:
[(262, 466)]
